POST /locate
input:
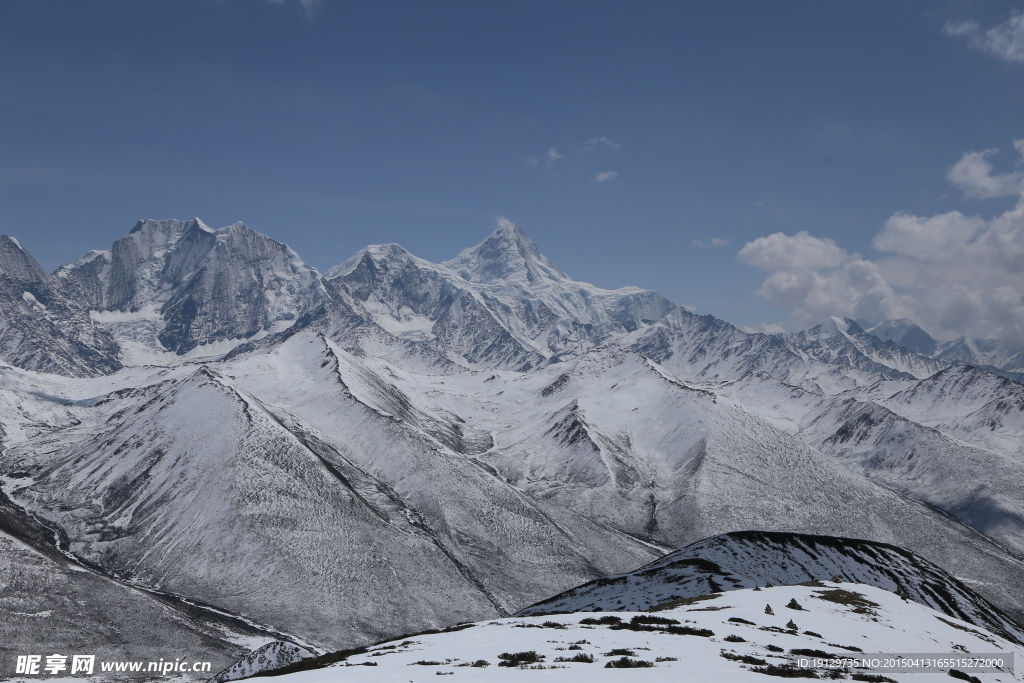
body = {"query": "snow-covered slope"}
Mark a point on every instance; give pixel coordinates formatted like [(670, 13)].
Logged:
[(275, 655), (969, 403), (196, 489), (310, 480), (828, 358), (613, 439), (726, 638), (978, 483), (754, 558), (50, 602)]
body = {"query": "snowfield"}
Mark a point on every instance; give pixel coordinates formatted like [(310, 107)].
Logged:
[(835, 618)]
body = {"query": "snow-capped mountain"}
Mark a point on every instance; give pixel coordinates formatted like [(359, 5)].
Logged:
[(181, 289), (42, 326), (841, 342), (499, 304), (398, 445), (177, 285), (985, 353), (905, 333)]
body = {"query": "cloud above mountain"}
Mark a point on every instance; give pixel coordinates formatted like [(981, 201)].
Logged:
[(814, 278), (951, 273)]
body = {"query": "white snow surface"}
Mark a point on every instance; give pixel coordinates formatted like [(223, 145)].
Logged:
[(892, 625)]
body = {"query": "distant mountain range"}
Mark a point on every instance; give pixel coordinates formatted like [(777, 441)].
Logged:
[(196, 416), (1000, 357)]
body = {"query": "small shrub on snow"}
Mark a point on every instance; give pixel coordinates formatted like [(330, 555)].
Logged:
[(627, 663), (518, 658), (582, 657)]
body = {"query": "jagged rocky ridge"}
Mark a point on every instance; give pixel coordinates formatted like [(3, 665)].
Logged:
[(399, 445), (179, 288), (987, 353), (42, 323)]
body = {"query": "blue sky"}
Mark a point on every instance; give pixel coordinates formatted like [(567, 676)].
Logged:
[(821, 152)]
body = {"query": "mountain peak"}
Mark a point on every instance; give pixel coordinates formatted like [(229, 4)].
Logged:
[(906, 333), (508, 229), (373, 252), (236, 227), (836, 323), (17, 264), (506, 254)]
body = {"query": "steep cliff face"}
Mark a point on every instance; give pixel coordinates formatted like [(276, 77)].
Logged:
[(176, 286), (43, 325)]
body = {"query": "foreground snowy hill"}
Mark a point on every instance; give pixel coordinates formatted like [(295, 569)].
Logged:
[(749, 559), (726, 637)]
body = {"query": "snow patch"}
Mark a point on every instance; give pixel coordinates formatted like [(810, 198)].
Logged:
[(30, 299)]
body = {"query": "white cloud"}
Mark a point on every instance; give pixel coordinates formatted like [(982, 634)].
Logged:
[(592, 144), (952, 274), (935, 239), (553, 156), (533, 162), (815, 279), (605, 176), (1004, 41), (714, 243), (801, 252), (973, 174)]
